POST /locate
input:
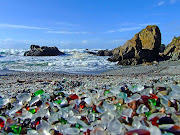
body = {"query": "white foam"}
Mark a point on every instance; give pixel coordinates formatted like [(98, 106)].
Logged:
[(75, 60)]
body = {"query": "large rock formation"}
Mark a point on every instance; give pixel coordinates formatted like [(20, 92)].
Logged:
[(172, 50), (143, 47), (36, 50)]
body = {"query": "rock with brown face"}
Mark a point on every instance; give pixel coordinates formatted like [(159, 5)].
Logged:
[(143, 47), (36, 50), (172, 50)]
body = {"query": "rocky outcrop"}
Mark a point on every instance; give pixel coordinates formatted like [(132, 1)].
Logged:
[(143, 47), (104, 53), (172, 50), (36, 50)]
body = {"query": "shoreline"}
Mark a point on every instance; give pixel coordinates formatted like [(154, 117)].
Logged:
[(162, 68)]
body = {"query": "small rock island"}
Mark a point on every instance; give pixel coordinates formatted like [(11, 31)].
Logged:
[(36, 50)]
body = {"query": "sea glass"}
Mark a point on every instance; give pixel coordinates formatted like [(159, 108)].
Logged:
[(147, 114), (32, 111), (32, 132), (141, 109), (16, 129), (115, 126), (127, 112), (136, 88), (152, 101), (3, 101), (73, 97), (38, 92), (62, 120), (58, 101), (106, 92), (72, 131), (2, 121), (22, 97), (155, 130), (138, 132), (122, 95), (136, 97)]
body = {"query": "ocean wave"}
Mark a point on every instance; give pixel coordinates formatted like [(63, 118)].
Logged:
[(75, 60)]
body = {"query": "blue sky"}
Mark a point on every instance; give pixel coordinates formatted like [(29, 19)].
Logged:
[(84, 23)]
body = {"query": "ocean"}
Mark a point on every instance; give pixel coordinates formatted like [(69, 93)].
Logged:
[(74, 61)]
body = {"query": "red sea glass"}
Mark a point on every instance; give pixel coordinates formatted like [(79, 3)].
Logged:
[(138, 132), (73, 97), (154, 121), (2, 123), (154, 96)]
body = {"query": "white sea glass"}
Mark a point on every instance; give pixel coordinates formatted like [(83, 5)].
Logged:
[(142, 109), (22, 97), (115, 126), (3, 101), (127, 112), (72, 131)]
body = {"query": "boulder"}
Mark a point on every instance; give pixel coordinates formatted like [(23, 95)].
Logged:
[(172, 50), (36, 50), (143, 47), (90, 52), (104, 53)]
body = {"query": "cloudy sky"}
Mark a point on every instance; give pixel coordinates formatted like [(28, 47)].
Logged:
[(84, 23)]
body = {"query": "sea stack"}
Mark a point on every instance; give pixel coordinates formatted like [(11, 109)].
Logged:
[(142, 48), (36, 50)]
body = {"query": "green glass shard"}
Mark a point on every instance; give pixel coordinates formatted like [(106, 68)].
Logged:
[(153, 101), (16, 129), (38, 92)]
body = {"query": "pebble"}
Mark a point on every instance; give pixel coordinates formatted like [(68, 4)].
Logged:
[(79, 107)]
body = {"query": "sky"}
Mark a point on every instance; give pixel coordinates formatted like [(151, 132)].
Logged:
[(87, 24)]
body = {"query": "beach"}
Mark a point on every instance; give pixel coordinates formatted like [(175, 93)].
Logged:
[(100, 92)]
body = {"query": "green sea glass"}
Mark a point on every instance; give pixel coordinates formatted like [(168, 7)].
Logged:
[(106, 92), (38, 92), (78, 126), (62, 120), (147, 114), (32, 111), (153, 101), (16, 129), (58, 101)]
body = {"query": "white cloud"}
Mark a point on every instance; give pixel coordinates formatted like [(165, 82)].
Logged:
[(173, 1), (67, 24), (21, 27), (128, 29), (68, 32), (110, 31), (145, 24), (161, 3), (124, 29), (84, 41)]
